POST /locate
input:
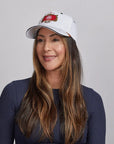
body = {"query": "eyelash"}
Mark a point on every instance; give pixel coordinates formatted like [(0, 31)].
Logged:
[(55, 39), (41, 40)]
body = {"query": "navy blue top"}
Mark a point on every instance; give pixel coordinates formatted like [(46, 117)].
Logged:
[(11, 98)]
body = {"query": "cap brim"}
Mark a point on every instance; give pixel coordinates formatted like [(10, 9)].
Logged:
[(32, 31)]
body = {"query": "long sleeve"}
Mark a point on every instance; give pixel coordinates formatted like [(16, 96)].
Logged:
[(7, 112), (97, 121)]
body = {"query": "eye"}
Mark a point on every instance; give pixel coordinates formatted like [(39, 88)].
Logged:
[(39, 40), (55, 39)]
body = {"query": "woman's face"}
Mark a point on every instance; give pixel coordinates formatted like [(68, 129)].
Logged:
[(50, 49)]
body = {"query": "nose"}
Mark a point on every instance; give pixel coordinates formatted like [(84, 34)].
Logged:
[(47, 46)]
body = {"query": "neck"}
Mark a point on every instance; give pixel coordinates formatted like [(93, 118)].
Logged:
[(54, 79)]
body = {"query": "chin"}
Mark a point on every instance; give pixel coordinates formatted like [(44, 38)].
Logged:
[(52, 68)]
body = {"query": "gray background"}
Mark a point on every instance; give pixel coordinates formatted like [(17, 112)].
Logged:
[(95, 23)]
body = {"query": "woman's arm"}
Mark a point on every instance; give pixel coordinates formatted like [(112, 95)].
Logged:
[(7, 113), (97, 122)]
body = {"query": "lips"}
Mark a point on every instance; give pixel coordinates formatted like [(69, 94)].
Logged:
[(49, 58)]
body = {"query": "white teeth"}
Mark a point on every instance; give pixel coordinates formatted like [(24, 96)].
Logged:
[(49, 58)]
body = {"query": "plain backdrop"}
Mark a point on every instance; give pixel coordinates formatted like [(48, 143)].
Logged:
[(95, 24)]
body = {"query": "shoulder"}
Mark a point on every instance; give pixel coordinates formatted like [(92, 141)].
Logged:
[(92, 98), (89, 92), (17, 85), (20, 83), (14, 91)]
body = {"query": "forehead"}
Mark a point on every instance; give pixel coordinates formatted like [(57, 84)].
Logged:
[(46, 32)]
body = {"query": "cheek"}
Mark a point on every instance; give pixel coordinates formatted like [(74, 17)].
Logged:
[(61, 50), (38, 51)]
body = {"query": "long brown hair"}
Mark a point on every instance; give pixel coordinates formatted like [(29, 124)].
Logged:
[(38, 103)]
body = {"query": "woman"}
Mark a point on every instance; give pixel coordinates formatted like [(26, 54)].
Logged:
[(52, 106)]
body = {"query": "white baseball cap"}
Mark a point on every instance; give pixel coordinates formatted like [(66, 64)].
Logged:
[(58, 22)]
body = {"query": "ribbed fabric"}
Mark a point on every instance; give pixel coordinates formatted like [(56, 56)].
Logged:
[(10, 101)]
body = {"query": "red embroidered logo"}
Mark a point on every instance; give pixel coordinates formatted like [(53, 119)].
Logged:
[(49, 17)]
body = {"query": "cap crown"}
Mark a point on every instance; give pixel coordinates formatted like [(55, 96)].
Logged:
[(58, 22)]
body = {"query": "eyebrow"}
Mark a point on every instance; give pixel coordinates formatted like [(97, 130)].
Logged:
[(49, 35)]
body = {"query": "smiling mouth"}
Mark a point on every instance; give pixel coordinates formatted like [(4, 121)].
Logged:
[(49, 58)]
